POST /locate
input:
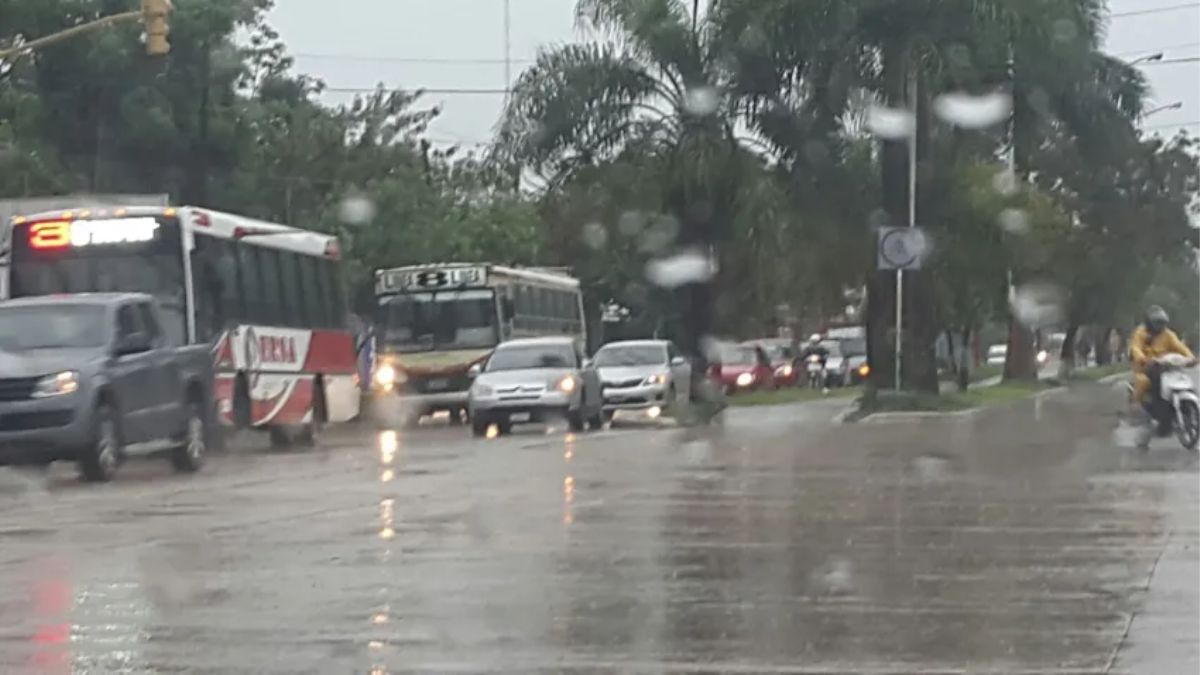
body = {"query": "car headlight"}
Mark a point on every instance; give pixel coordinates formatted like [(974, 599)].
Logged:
[(745, 379), (480, 389), (567, 384), (655, 379), (1042, 356), (864, 370), (66, 382), (385, 375), (785, 370)]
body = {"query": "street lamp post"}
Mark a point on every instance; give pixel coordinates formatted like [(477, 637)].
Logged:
[(1157, 56), (1170, 106)]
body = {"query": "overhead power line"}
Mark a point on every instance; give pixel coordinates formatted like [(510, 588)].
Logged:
[(1168, 125), (450, 61), (427, 90), (1155, 10), (1163, 62), (1154, 50)]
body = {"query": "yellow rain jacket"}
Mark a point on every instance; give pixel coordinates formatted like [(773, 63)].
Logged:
[(1144, 348)]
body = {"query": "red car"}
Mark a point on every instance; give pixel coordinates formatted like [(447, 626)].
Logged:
[(744, 368), (785, 364)]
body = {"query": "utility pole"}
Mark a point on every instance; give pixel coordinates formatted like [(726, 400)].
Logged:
[(912, 222)]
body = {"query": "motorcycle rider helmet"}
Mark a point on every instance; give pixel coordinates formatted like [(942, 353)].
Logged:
[(1156, 319), (814, 339)]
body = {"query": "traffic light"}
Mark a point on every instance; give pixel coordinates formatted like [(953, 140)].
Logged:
[(154, 18)]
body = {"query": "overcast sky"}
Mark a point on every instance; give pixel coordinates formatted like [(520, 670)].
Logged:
[(459, 44)]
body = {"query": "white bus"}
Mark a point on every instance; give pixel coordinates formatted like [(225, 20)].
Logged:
[(268, 299), (434, 322)]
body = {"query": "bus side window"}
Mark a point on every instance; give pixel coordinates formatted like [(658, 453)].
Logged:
[(338, 318), (249, 273), (273, 310), (289, 291), (310, 292)]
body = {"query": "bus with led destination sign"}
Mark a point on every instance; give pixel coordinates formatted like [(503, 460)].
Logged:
[(266, 298), (433, 322)]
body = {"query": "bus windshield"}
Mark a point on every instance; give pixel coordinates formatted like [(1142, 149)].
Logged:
[(416, 322), (137, 255)]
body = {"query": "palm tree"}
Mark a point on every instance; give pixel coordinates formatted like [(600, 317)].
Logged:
[(652, 84), (799, 64)]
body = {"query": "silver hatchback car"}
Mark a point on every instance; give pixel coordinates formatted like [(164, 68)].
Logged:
[(535, 380)]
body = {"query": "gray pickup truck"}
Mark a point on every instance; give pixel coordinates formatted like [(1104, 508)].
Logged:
[(91, 378)]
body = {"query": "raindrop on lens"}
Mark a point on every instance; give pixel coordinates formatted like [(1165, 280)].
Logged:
[(877, 219), (1065, 30), (595, 236), (1013, 221), (1037, 304), (1005, 182), (701, 101), (890, 123), (688, 267), (630, 223), (356, 209), (973, 112)]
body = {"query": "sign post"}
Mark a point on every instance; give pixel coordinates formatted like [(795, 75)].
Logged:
[(900, 249)]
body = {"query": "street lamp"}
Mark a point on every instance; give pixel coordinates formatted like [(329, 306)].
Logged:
[(1170, 106), (1158, 56)]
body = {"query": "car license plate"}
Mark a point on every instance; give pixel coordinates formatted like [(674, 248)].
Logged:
[(437, 385), (519, 417)]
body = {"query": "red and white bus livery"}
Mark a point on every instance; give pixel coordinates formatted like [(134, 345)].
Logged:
[(267, 298)]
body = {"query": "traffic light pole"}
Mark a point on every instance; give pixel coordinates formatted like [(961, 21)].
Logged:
[(34, 45)]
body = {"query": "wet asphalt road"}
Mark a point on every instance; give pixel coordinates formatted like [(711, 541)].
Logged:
[(1020, 541)]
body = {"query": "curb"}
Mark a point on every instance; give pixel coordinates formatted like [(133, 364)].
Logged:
[(918, 415)]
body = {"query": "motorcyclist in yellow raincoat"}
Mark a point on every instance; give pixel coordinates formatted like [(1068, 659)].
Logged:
[(1150, 341)]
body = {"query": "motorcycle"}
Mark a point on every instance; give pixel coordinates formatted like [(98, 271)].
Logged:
[(1177, 406), (816, 372)]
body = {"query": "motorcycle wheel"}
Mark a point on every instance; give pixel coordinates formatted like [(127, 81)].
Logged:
[(1188, 430)]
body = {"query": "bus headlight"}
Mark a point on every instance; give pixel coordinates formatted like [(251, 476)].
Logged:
[(386, 376), (66, 382), (745, 379)]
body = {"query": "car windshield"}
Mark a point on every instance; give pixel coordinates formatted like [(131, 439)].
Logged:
[(631, 355), (853, 346), (739, 356), (531, 357), (443, 320), (833, 347), (52, 327)]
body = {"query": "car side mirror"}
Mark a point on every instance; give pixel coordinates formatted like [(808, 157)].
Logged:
[(678, 361), (474, 371), (587, 363), (135, 343)]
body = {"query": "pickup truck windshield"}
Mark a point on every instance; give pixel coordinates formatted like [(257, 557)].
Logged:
[(51, 327)]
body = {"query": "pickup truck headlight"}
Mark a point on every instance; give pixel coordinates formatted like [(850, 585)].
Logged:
[(66, 382)]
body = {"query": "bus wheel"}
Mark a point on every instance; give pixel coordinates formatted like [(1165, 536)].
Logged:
[(280, 438), (241, 404), (311, 432)]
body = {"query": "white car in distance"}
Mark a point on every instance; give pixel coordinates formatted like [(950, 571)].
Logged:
[(646, 375), (535, 380)]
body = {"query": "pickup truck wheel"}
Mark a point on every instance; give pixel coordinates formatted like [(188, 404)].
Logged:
[(188, 457), (575, 420), (280, 438), (98, 461)]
